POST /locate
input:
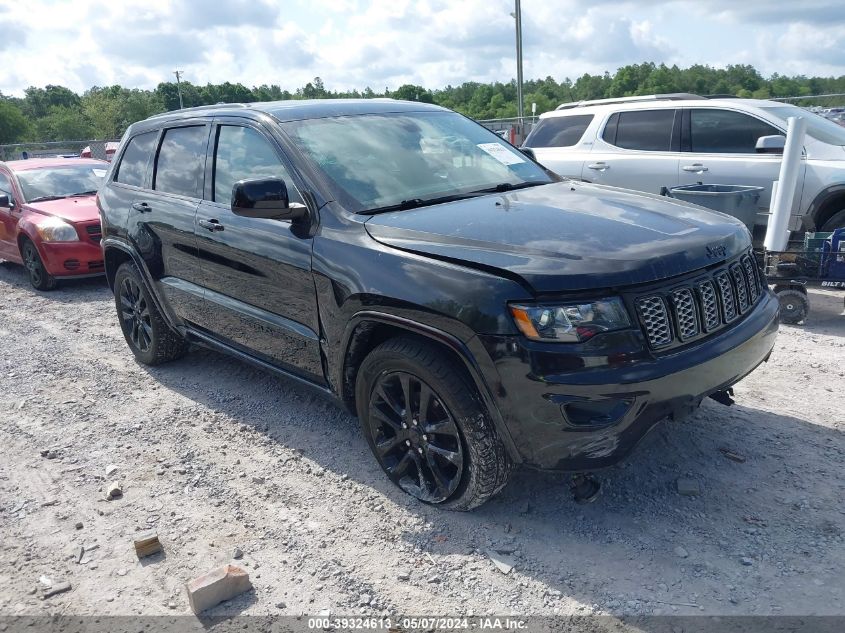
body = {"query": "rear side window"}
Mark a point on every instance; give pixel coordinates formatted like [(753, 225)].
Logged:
[(133, 165), (560, 131), (726, 132), (179, 166), (646, 130)]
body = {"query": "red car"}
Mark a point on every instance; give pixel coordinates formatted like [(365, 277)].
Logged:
[(48, 217)]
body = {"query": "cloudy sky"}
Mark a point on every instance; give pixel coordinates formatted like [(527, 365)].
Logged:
[(385, 43)]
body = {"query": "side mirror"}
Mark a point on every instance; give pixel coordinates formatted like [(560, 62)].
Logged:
[(5, 202), (528, 152), (773, 144), (265, 198)]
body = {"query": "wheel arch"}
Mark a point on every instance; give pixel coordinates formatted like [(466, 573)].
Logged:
[(366, 330), (116, 253), (830, 201)]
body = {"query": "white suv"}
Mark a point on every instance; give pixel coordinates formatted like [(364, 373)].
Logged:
[(647, 143)]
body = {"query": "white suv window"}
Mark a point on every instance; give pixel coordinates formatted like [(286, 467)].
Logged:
[(726, 132), (646, 130), (559, 131)]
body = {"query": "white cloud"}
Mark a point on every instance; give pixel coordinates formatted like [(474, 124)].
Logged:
[(378, 43)]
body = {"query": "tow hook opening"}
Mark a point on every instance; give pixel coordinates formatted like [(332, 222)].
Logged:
[(724, 397), (585, 488)]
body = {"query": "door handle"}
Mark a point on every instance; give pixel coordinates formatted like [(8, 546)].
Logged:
[(211, 225), (695, 168), (141, 207), (601, 166)]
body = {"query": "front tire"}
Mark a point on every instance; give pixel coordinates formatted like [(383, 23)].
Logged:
[(38, 275), (147, 334), (427, 427)]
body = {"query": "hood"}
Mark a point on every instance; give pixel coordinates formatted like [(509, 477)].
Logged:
[(568, 236), (78, 209)]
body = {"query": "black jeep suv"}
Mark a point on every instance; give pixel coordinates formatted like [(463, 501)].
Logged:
[(472, 309)]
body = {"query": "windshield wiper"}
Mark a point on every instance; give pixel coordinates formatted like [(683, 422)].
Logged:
[(46, 198), (415, 203), (82, 193), (509, 186)]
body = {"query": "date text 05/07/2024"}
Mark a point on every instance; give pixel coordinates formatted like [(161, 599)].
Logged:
[(485, 623)]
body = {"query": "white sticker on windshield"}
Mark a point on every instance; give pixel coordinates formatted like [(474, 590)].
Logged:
[(99, 173), (501, 153)]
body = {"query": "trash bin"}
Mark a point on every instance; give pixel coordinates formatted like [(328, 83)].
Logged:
[(739, 201)]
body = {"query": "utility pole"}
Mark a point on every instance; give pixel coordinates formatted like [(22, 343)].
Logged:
[(179, 86), (517, 14)]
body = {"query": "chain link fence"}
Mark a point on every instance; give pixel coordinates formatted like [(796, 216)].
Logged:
[(104, 150)]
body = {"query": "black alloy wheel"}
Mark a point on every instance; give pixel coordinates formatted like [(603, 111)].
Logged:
[(135, 313), (415, 437)]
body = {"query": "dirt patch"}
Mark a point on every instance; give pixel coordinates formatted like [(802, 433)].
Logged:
[(214, 455)]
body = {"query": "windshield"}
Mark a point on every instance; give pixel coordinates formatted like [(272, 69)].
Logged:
[(818, 127), (381, 160), (60, 181)]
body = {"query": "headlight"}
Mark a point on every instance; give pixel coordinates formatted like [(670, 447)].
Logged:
[(56, 230), (572, 322)]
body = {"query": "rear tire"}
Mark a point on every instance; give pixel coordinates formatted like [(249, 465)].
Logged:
[(427, 426), (147, 334), (38, 275), (836, 221), (794, 305)]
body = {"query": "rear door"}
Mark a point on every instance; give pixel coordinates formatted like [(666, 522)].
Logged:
[(259, 292), (637, 149), (720, 148), (162, 215)]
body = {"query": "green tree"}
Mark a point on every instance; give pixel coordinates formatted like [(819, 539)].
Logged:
[(13, 124), (64, 124), (410, 92)]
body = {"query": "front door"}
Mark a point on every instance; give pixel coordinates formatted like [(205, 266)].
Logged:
[(8, 220), (259, 292), (720, 148)]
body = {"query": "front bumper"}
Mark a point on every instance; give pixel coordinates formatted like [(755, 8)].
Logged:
[(584, 419), (71, 259)]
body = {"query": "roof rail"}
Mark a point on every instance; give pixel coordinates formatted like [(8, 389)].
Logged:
[(202, 108), (721, 96), (675, 96)]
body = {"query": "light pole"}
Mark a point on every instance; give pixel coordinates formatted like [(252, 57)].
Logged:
[(517, 14), (179, 87)]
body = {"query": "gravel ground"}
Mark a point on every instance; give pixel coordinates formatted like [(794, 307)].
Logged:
[(216, 455)]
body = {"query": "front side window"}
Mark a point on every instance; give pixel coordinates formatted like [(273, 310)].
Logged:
[(243, 153), (645, 130), (62, 181), (179, 166), (373, 161), (5, 185), (726, 132), (559, 131), (133, 166)]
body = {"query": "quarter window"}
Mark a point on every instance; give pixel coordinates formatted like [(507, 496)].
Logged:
[(559, 131), (133, 165), (726, 132), (646, 130), (243, 153), (179, 167)]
